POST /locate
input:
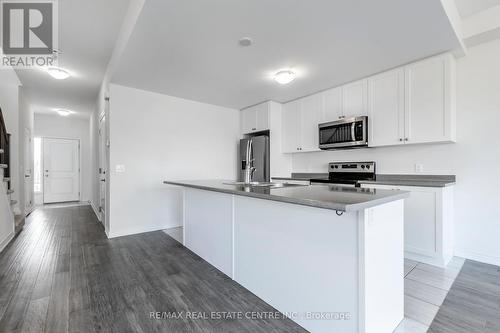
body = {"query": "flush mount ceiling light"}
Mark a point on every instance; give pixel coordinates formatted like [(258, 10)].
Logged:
[(64, 113), (58, 73), (284, 76), (245, 41)]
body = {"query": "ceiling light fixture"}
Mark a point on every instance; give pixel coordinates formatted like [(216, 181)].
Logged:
[(245, 41), (64, 113), (58, 73), (284, 76)]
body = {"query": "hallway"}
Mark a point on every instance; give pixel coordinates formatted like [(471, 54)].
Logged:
[(62, 274)]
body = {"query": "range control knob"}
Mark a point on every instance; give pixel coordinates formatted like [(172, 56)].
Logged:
[(368, 167), (362, 166)]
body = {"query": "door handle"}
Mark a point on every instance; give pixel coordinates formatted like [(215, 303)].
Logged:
[(103, 180)]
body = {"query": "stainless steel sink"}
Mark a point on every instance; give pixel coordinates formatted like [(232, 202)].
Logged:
[(263, 184)]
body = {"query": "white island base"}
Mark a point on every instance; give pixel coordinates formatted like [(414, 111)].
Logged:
[(326, 272)]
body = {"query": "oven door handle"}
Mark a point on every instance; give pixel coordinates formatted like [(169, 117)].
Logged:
[(353, 131)]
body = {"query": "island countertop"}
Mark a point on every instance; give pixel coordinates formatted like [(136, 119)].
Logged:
[(340, 198)]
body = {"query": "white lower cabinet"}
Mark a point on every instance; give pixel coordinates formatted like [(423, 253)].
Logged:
[(428, 226)]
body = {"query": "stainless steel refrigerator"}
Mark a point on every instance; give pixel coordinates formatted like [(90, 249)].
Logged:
[(260, 152)]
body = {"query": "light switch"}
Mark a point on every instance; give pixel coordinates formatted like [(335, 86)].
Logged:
[(120, 168), (419, 168)]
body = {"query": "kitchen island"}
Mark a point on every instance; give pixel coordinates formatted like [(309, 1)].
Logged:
[(328, 257)]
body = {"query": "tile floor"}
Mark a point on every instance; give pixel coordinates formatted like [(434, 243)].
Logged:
[(426, 288)]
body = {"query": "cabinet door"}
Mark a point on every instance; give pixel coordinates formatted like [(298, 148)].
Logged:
[(386, 109), (428, 100), (331, 105), (248, 120), (421, 223), (310, 108), (291, 127), (262, 114), (354, 99)]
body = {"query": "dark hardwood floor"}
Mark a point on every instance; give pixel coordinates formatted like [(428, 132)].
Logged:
[(473, 302), (61, 274)]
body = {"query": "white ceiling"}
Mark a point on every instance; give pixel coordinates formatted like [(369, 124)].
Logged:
[(471, 7), (87, 35), (190, 49)]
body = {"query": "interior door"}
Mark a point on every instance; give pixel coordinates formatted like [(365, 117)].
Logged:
[(102, 169), (61, 166), (28, 172)]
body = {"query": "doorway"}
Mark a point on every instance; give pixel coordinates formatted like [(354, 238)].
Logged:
[(102, 169), (61, 170), (28, 173)]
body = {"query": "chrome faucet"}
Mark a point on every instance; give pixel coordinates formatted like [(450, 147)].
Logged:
[(249, 168)]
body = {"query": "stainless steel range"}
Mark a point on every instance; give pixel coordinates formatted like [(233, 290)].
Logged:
[(348, 173)]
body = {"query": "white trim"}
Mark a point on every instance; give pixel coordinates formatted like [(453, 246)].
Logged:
[(484, 258), (6, 241), (136, 231), (95, 211)]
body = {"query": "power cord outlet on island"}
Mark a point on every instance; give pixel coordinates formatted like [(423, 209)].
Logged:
[(419, 168)]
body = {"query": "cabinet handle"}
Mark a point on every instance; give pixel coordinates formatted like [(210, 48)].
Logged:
[(253, 129), (400, 139), (406, 139)]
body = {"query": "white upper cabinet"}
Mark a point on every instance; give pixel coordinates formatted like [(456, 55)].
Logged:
[(386, 109), (310, 108), (331, 109), (255, 118), (300, 124), (430, 114), (290, 131), (408, 105), (354, 99)]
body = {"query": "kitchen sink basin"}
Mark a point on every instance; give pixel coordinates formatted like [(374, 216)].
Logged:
[(263, 184)]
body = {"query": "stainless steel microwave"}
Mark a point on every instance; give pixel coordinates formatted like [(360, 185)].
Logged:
[(344, 134)]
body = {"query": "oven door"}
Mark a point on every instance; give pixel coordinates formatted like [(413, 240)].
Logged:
[(345, 133)]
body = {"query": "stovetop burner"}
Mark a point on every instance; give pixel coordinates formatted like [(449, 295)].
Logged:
[(348, 173)]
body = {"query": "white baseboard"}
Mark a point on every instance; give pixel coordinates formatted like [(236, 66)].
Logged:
[(484, 258), (6, 241), (96, 212), (135, 232)]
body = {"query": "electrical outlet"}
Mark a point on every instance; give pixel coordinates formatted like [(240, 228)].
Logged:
[(419, 168), (120, 168)]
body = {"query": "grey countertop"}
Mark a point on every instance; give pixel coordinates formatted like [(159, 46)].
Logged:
[(339, 198), (385, 179)]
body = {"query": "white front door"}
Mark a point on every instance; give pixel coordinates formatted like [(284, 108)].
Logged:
[(61, 166)]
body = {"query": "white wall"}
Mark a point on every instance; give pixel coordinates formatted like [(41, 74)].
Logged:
[(70, 128), (475, 158), (158, 137)]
